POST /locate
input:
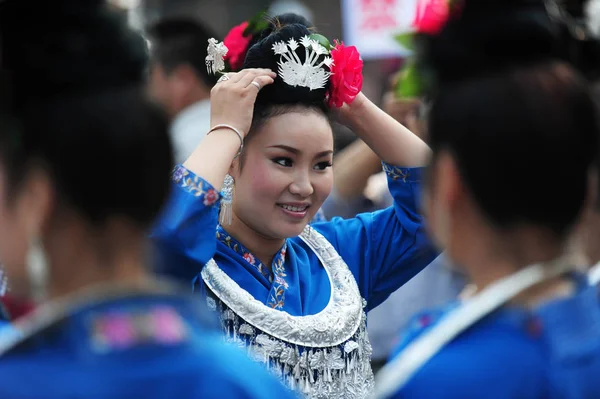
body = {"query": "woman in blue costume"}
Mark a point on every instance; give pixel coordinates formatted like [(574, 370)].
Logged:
[(84, 168), (513, 129), (294, 296)]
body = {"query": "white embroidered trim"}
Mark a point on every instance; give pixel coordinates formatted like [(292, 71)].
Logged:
[(334, 325)]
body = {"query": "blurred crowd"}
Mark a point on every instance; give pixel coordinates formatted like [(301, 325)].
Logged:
[(170, 227)]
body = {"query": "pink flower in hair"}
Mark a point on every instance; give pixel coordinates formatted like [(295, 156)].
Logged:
[(346, 75), (431, 16), (237, 43)]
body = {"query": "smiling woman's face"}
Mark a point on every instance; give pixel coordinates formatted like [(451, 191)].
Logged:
[(286, 174)]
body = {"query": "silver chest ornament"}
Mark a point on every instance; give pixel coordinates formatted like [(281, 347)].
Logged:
[(326, 355)]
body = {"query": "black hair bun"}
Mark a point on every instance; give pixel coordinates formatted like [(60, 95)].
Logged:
[(491, 35), (77, 76), (78, 45), (261, 55), (283, 20)]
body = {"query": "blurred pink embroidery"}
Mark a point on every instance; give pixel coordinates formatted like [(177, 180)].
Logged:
[(168, 326), (117, 330)]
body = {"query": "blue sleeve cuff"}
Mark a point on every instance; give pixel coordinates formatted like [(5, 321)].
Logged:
[(195, 185), (406, 175)]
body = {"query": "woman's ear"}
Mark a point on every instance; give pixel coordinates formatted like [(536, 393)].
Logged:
[(36, 202)]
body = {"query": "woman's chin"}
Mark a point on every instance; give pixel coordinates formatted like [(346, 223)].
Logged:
[(292, 230)]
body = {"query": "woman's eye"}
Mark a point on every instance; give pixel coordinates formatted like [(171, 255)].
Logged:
[(287, 162), (323, 165)]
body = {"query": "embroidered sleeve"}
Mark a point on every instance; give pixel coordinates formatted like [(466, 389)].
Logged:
[(386, 248), (404, 175), (405, 187), (195, 185), (184, 234)]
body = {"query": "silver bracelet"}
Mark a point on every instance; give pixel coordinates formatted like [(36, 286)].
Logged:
[(224, 126)]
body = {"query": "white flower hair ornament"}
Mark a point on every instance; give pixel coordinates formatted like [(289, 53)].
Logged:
[(309, 73), (216, 53)]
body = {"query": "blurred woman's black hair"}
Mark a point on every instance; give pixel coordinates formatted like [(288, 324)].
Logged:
[(510, 106), (77, 106)]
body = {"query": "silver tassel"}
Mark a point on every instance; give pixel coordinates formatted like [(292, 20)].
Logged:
[(37, 269), (226, 201)]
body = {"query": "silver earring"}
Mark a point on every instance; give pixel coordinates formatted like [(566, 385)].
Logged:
[(3, 282), (37, 269), (226, 201)]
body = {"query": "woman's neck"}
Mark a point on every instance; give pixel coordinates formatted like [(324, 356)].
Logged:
[(262, 247), (114, 258), (490, 259)]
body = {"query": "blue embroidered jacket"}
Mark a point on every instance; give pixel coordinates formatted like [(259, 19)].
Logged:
[(383, 249), (140, 346), (552, 352)]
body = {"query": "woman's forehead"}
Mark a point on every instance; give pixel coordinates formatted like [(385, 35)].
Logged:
[(298, 130)]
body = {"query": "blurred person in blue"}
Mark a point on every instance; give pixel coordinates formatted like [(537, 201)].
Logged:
[(514, 129), (358, 187), (589, 230), (295, 295), (179, 80), (85, 159)]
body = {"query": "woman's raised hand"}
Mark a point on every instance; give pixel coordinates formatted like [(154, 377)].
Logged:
[(232, 98), (232, 103)]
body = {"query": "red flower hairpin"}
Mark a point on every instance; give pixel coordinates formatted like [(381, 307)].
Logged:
[(237, 42), (431, 16), (238, 39), (346, 75)]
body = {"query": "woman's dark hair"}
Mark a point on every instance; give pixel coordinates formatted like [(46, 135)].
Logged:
[(278, 22), (279, 97), (516, 115), (77, 107)]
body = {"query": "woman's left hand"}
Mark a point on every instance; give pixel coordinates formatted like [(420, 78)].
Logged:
[(343, 115)]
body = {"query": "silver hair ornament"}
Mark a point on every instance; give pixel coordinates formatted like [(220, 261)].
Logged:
[(216, 53), (309, 73)]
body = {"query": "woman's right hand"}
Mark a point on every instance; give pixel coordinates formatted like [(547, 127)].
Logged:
[(232, 100)]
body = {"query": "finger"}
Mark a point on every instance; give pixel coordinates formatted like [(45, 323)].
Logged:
[(256, 84), (261, 81), (225, 77), (245, 73), (235, 77), (253, 74)]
